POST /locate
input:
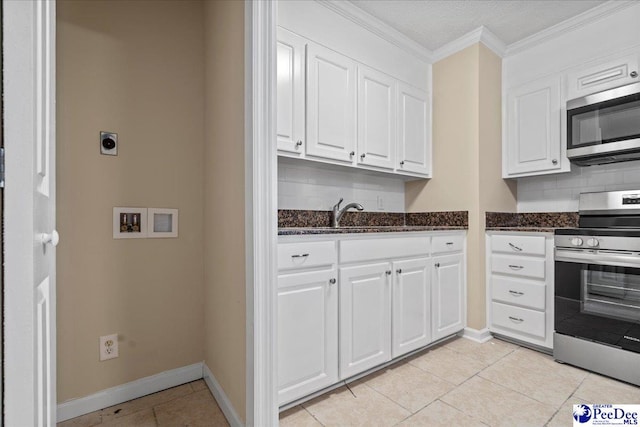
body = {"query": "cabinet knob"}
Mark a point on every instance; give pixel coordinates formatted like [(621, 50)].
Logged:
[(399, 271), (362, 156), (437, 264), (299, 143), (402, 163), (332, 281), (634, 74), (353, 153), (388, 272), (554, 161)]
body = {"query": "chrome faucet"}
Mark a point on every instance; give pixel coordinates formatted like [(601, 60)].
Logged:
[(337, 213)]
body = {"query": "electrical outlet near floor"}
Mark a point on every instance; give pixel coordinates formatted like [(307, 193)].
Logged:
[(108, 347)]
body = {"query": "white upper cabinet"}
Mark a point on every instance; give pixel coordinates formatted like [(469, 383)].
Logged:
[(376, 118), (592, 78), (290, 92), (533, 142), (414, 130), (331, 97)]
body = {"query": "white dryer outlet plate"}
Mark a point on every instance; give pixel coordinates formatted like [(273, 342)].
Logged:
[(108, 347)]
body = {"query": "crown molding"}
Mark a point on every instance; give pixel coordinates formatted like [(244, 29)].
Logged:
[(570, 24), (479, 35), (377, 27)]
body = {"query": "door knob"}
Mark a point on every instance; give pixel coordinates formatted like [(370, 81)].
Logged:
[(52, 238)]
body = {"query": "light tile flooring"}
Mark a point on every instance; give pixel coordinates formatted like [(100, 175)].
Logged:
[(459, 382)]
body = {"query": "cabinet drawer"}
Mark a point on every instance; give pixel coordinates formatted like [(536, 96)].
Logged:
[(525, 245), (371, 249), (518, 319), (583, 80), (305, 254), (518, 265), (443, 244), (517, 291)]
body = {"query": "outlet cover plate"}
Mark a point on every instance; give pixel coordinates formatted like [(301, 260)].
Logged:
[(108, 347)]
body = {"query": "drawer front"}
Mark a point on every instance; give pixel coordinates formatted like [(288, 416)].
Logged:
[(525, 245), (517, 291), (584, 81), (306, 254), (518, 319), (443, 244), (519, 266), (372, 249)]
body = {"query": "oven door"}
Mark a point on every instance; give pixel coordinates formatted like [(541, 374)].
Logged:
[(598, 301)]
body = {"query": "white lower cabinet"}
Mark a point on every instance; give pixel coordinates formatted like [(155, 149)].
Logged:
[(448, 305), (411, 305), (388, 300), (365, 317)]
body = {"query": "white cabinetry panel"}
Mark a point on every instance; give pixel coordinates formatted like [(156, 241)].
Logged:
[(585, 80), (376, 118), (533, 134), (449, 295), (414, 130), (411, 321), (307, 333), (365, 317), (331, 98), (290, 91)]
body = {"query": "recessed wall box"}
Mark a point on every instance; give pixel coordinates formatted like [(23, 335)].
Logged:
[(129, 223), (162, 222), (109, 143)]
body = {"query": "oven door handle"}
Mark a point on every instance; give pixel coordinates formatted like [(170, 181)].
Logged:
[(597, 258)]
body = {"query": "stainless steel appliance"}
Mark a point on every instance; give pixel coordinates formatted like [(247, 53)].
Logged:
[(604, 127), (597, 287)]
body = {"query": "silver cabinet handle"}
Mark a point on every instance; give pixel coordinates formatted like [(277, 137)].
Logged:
[(516, 293), (300, 256), (353, 153), (634, 74), (332, 281), (554, 161), (299, 143), (449, 243), (437, 264), (402, 163), (399, 271), (362, 156), (515, 267), (388, 272), (516, 319), (514, 247)]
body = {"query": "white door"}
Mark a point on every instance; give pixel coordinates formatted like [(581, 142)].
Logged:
[(533, 142), (30, 286), (411, 325), (290, 96), (414, 130), (365, 317), (448, 295), (331, 104), (376, 118), (307, 333)]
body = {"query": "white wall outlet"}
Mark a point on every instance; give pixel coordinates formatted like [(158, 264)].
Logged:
[(108, 347)]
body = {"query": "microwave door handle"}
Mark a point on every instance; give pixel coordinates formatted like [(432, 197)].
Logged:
[(579, 257)]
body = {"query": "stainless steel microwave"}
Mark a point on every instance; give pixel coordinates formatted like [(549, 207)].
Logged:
[(604, 127)]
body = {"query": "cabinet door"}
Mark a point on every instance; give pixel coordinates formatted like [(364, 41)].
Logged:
[(307, 333), (376, 118), (449, 296), (365, 317), (290, 92), (414, 130), (588, 79), (411, 324), (331, 96), (533, 137)]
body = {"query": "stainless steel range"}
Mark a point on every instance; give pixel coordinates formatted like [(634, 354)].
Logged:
[(597, 287)]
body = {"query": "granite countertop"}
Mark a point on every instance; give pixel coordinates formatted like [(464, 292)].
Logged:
[(297, 231), (538, 222)]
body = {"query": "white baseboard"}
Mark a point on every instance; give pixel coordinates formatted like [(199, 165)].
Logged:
[(477, 335), (221, 397), (132, 390)]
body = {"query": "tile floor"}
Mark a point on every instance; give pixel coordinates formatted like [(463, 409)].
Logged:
[(459, 382)]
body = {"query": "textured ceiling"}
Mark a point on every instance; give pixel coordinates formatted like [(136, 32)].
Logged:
[(434, 23)]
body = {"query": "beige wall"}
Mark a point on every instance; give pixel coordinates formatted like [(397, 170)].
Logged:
[(135, 68), (225, 325), (466, 157)]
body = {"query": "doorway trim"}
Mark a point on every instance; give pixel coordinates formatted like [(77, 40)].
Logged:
[(260, 207)]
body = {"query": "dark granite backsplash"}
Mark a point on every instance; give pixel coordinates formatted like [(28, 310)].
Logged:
[(531, 219), (303, 218)]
